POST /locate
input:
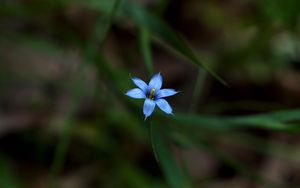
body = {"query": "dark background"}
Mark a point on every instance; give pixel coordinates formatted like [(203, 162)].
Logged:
[(65, 66)]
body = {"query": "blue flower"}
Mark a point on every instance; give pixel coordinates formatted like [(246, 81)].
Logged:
[(153, 94)]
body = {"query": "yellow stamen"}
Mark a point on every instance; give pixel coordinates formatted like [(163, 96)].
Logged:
[(151, 96)]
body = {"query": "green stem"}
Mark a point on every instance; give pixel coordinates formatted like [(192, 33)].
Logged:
[(68, 125), (198, 90), (145, 46), (151, 136), (60, 155), (110, 17)]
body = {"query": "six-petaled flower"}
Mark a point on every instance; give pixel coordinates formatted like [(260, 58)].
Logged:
[(153, 94)]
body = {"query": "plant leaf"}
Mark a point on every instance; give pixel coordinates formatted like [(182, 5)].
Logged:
[(272, 121), (172, 172), (158, 28)]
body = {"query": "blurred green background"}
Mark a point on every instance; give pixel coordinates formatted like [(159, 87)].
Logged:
[(66, 64)]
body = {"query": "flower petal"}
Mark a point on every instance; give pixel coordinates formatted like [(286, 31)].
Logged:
[(156, 82), (149, 106), (165, 93), (136, 93), (164, 106), (140, 83)]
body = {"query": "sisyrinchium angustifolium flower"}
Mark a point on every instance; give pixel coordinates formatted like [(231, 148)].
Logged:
[(152, 93)]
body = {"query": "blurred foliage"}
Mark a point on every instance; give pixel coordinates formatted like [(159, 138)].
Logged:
[(65, 66)]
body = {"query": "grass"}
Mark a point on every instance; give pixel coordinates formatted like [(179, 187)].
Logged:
[(104, 129)]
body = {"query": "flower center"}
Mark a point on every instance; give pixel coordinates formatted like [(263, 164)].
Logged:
[(151, 95)]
